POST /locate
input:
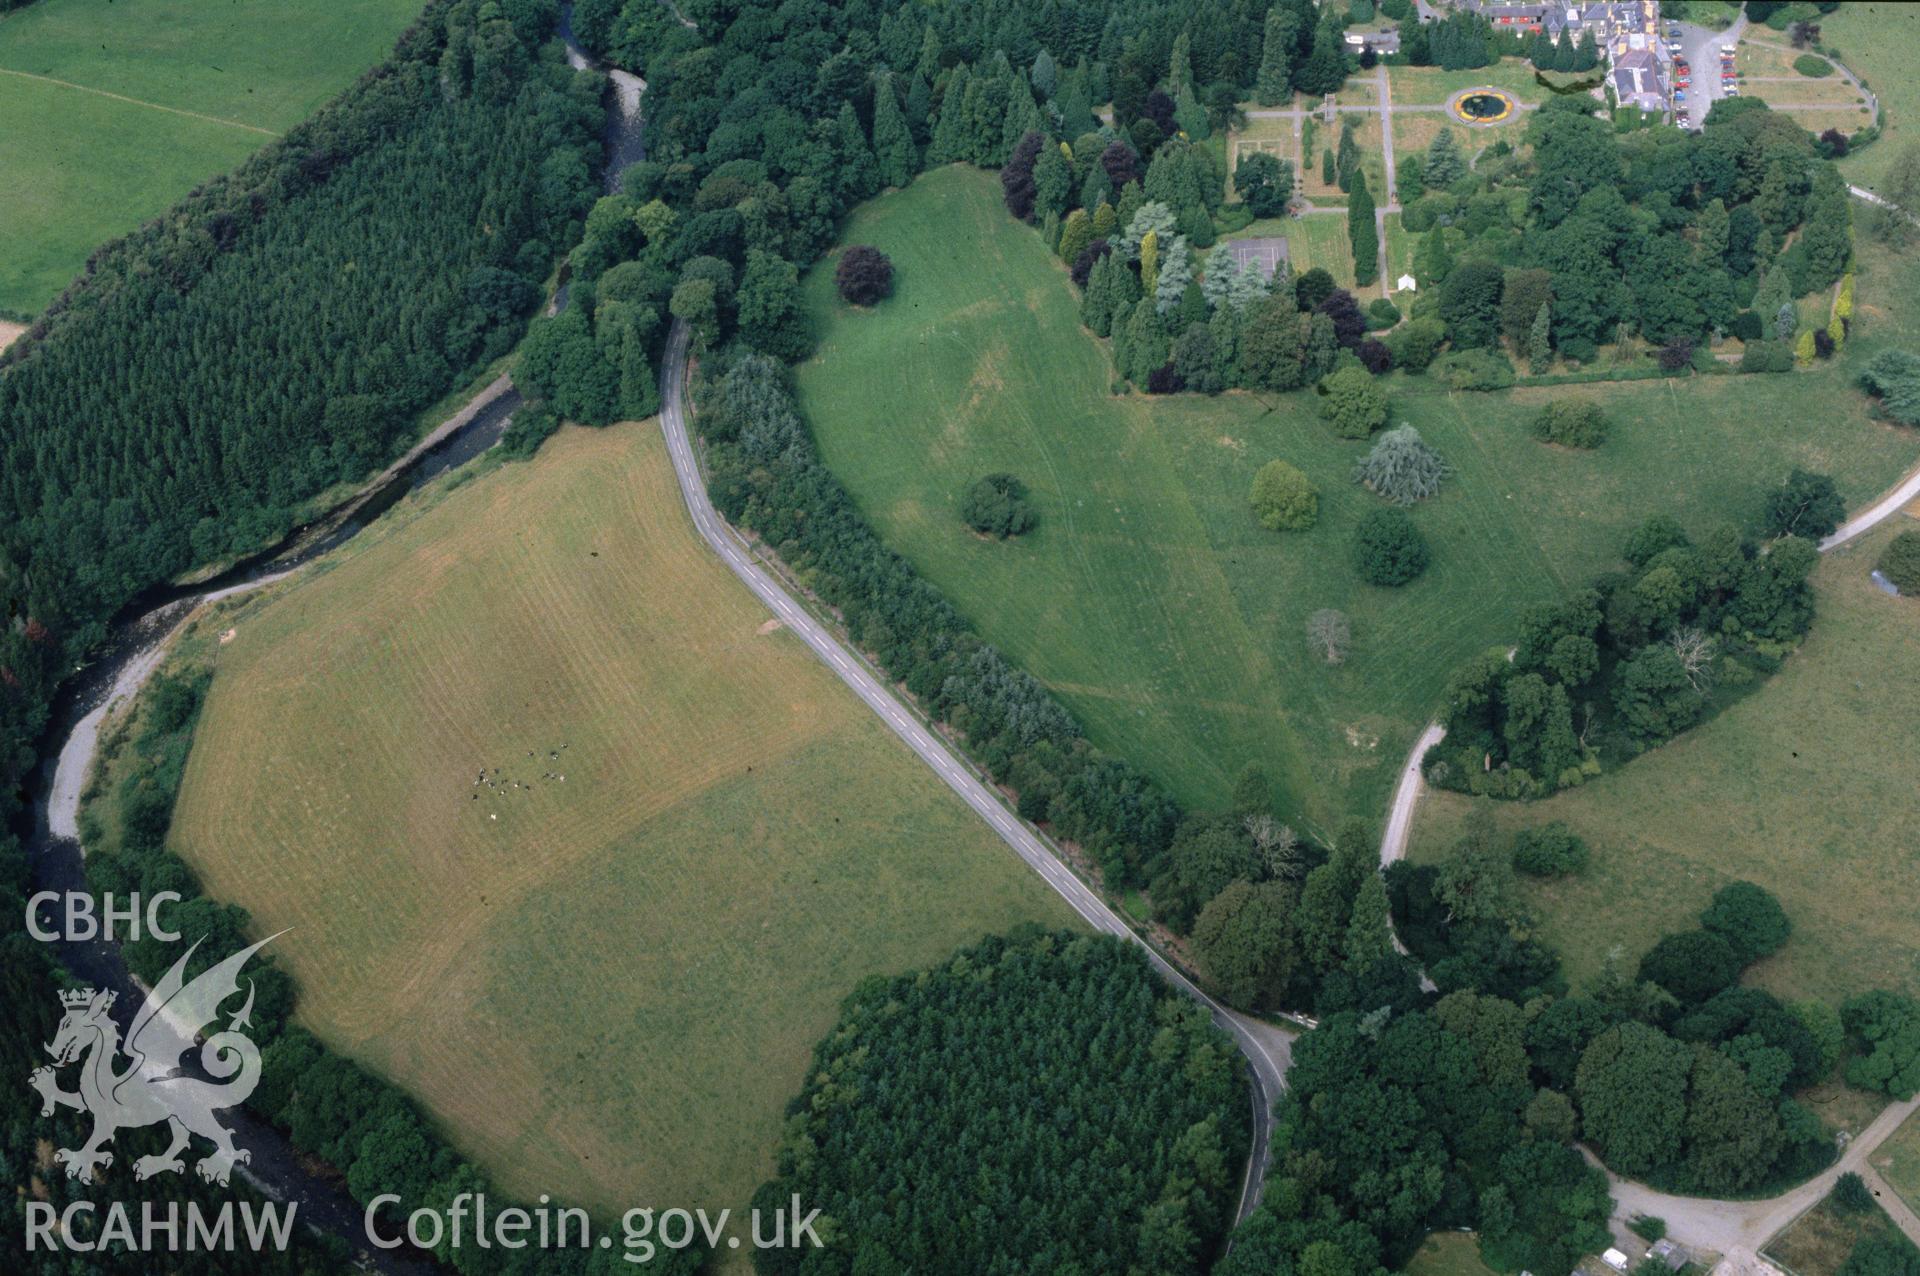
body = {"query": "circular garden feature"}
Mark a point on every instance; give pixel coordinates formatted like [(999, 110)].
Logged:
[(1482, 106)]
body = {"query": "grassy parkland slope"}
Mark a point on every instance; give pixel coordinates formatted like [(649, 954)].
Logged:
[(606, 987), (1880, 42), (1148, 598), (1898, 1160), (114, 111), (1806, 788)]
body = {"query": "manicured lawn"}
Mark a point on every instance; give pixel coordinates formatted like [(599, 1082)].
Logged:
[(1274, 136), (1366, 135), (114, 111), (1149, 599), (1880, 43), (1361, 89), (1316, 239), (1414, 131), (1414, 84), (606, 987), (1401, 244), (1898, 1161), (1764, 54), (1845, 118), (1831, 92), (1806, 787)]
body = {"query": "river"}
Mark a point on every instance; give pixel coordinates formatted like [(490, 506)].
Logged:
[(137, 644)]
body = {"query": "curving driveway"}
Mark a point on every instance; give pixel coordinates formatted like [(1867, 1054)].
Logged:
[(1407, 794), (1267, 1048)]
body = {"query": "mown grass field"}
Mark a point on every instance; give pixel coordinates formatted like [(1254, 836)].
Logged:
[(1831, 92), (1414, 84), (1898, 1160), (1414, 131), (115, 111), (1149, 599), (1806, 787), (605, 987), (1880, 42), (1313, 240)]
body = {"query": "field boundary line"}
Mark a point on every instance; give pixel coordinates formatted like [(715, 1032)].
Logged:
[(134, 101)]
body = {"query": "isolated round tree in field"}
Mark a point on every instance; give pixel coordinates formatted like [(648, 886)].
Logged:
[(1806, 505), (864, 275), (997, 505), (1284, 499), (1900, 562), (1549, 850), (1353, 403), (1571, 423), (1401, 467), (1749, 918), (1388, 549)]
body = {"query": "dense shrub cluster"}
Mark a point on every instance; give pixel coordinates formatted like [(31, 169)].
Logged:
[(1571, 423), (1900, 562), (1401, 467), (1118, 1134), (1284, 499), (1628, 663), (864, 275), (1388, 549), (997, 505), (1550, 850)]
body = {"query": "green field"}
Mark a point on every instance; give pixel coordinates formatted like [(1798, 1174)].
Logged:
[(1430, 84), (604, 987), (1314, 240), (1898, 1160), (1448, 1254), (1820, 1240), (1880, 43), (115, 111), (1148, 598), (1805, 787)]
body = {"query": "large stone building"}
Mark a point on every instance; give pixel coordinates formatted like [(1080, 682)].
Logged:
[(1626, 31)]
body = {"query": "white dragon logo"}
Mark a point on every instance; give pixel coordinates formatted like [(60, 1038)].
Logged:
[(151, 1089)]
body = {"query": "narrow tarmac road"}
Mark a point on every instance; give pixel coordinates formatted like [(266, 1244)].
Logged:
[(1265, 1047)]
